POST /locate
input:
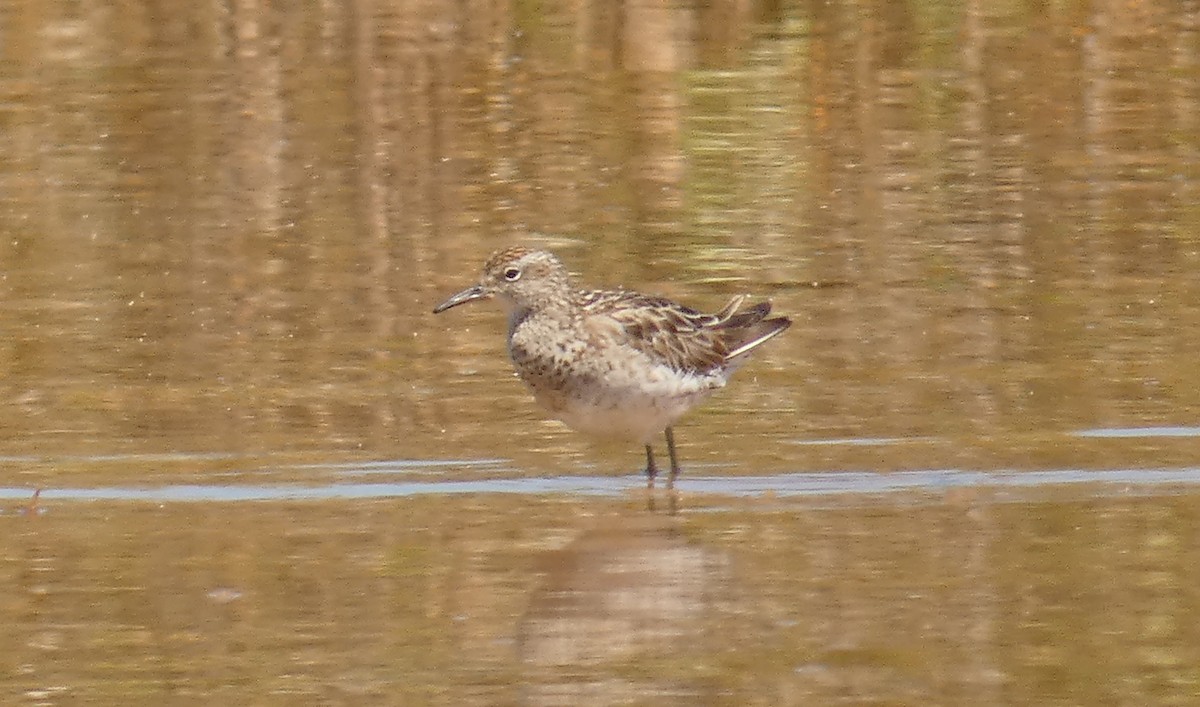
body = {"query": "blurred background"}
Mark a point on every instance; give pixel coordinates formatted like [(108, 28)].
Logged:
[(269, 475)]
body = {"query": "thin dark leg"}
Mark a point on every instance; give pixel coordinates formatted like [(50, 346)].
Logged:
[(651, 469), (674, 461)]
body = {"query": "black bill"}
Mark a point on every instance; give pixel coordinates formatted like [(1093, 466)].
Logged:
[(467, 295)]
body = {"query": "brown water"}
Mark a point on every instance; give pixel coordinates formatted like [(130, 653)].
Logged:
[(969, 474)]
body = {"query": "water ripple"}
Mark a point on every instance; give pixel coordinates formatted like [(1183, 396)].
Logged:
[(783, 485)]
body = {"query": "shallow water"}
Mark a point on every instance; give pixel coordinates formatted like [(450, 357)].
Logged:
[(241, 462), (935, 586)]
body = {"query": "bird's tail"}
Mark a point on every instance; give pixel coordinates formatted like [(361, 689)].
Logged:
[(750, 329)]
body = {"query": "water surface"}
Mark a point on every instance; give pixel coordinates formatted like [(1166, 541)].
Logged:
[(241, 462)]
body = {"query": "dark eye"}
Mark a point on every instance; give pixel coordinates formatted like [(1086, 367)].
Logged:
[(512, 274)]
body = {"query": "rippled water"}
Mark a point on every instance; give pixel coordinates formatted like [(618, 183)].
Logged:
[(358, 482), (242, 463)]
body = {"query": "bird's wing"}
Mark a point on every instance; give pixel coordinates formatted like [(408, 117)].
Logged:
[(667, 332)]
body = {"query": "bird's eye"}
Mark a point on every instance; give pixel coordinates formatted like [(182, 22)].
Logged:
[(512, 274)]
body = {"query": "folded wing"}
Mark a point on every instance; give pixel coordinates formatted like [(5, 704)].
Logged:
[(679, 336)]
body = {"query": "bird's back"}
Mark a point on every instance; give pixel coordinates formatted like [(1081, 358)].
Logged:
[(680, 337)]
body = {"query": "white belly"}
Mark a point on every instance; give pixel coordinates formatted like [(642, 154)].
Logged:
[(637, 407), (638, 419)]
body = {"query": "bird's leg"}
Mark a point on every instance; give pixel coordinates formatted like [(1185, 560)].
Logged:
[(651, 469), (674, 461)]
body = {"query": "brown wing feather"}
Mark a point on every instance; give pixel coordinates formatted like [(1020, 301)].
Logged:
[(679, 336)]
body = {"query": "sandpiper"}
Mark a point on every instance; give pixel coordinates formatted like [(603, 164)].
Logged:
[(612, 362)]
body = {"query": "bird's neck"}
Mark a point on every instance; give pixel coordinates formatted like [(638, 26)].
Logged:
[(520, 312)]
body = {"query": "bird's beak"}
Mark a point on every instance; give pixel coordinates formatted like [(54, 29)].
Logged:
[(467, 295)]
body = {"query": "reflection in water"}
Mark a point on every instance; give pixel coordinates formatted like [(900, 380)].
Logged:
[(228, 239), (1149, 432), (842, 484), (222, 228), (624, 598), (480, 599)]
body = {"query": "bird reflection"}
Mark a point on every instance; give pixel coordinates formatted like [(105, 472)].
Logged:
[(671, 505), (631, 590)]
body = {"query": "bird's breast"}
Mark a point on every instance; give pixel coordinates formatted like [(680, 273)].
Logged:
[(601, 388)]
